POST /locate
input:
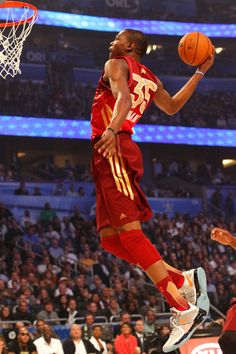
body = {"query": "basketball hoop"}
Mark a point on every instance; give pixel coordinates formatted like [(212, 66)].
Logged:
[(19, 18)]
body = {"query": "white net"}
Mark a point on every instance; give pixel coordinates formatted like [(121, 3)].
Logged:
[(12, 38)]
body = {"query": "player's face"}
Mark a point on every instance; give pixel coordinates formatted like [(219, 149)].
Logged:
[(119, 46)]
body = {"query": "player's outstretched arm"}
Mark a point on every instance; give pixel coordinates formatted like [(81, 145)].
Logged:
[(171, 105), (223, 236), (116, 72)]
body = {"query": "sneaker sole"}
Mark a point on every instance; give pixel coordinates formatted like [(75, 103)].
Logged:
[(200, 318), (201, 290)]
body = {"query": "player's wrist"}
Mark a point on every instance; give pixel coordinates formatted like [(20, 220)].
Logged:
[(112, 130), (200, 72)]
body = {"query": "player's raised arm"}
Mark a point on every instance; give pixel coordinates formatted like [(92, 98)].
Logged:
[(224, 237), (171, 105), (116, 72)]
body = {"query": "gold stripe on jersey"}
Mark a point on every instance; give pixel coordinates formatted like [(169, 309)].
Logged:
[(117, 182), (120, 176), (125, 174), (104, 117)]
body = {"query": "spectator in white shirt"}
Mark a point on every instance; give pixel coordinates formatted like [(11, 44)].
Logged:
[(47, 344), (96, 340)]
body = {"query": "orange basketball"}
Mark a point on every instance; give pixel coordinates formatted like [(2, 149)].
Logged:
[(194, 48)]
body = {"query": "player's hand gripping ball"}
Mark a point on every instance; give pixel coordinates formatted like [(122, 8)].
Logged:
[(194, 48)]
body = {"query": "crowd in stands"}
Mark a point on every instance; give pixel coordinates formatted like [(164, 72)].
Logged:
[(214, 109), (49, 264), (205, 11)]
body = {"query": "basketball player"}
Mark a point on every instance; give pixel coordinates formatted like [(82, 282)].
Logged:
[(124, 91), (224, 237)]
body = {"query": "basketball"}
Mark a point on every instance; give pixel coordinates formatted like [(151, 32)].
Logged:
[(194, 48)]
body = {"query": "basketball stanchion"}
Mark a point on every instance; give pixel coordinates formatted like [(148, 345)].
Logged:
[(19, 18)]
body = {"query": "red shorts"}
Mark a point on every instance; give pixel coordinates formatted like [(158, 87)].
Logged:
[(119, 198)]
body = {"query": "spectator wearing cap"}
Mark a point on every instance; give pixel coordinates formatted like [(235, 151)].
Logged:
[(48, 314), (77, 344), (47, 344), (23, 343)]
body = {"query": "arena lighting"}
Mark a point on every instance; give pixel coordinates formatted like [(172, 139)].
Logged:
[(105, 24), (219, 50), (228, 163), (80, 129)]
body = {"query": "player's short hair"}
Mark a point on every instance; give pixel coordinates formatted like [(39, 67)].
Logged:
[(140, 39)]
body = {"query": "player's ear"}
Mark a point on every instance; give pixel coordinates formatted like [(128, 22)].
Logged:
[(130, 46)]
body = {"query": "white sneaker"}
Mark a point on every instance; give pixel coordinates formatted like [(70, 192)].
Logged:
[(194, 288), (183, 324)]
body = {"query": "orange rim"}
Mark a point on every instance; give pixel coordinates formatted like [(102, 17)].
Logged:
[(18, 5)]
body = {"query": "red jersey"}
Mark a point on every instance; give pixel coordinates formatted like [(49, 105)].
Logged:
[(230, 322), (142, 85)]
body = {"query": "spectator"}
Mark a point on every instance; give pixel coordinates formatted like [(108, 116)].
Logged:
[(23, 312), (124, 318), (6, 316), (72, 312), (144, 341), (126, 343), (55, 250), (39, 325), (36, 192), (75, 344), (47, 214), (150, 322), (96, 340), (48, 314), (3, 347), (27, 219), (5, 213), (21, 190), (47, 344), (87, 329), (23, 344)]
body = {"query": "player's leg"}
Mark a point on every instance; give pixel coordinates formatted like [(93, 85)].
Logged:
[(186, 316), (110, 241), (147, 256)]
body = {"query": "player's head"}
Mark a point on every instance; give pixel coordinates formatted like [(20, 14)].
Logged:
[(128, 42)]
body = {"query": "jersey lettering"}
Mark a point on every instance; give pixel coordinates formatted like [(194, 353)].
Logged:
[(142, 90)]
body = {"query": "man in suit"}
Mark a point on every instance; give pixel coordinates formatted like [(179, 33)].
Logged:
[(75, 344), (145, 341)]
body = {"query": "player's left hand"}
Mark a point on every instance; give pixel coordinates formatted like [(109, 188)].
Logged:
[(221, 235), (107, 144)]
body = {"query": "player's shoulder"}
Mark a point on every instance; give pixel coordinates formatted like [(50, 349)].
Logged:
[(116, 62)]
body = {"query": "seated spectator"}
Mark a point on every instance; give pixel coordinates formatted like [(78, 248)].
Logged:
[(145, 342), (87, 329), (23, 343), (59, 189), (77, 344), (5, 315), (72, 312), (27, 219), (62, 288), (21, 190), (47, 344), (39, 325), (150, 325), (124, 318), (71, 191), (5, 212), (126, 343), (23, 312), (49, 314), (36, 192), (52, 234), (55, 250), (46, 215), (96, 340), (3, 347)]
